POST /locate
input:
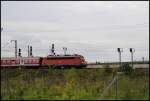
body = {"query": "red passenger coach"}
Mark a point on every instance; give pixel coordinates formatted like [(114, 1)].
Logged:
[(12, 62), (31, 61), (64, 61)]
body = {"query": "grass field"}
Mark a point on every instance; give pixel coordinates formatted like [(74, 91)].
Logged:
[(70, 84)]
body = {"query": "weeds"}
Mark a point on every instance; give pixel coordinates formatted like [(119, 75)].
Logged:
[(70, 84)]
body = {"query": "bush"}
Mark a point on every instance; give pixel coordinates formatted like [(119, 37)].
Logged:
[(126, 68), (107, 69)]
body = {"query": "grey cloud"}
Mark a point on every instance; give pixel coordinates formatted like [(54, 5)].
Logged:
[(93, 29)]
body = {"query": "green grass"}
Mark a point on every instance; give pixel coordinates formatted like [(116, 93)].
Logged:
[(71, 84)]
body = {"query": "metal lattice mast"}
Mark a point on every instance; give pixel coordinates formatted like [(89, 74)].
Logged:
[(15, 47)]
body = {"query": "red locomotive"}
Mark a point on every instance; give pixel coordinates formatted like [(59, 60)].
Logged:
[(61, 61), (64, 61)]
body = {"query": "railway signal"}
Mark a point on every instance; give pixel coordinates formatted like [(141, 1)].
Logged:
[(132, 50), (30, 50), (119, 51), (19, 54), (52, 50)]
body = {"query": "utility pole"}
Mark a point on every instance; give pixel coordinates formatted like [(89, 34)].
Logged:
[(28, 50), (15, 47), (116, 83), (132, 50), (143, 59)]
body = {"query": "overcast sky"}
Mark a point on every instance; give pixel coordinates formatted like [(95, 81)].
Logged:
[(94, 29)]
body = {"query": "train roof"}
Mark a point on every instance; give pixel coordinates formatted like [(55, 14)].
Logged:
[(75, 55), (18, 57)]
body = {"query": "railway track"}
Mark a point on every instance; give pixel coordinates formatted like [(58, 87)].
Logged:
[(89, 66), (142, 66)]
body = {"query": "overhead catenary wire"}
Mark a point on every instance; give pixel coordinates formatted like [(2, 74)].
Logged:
[(5, 45)]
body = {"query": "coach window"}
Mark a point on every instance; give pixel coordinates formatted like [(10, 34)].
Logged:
[(4, 61), (17, 61), (29, 61), (35, 61), (32, 60), (8, 61), (26, 61)]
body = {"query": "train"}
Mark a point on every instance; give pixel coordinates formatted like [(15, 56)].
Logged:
[(57, 61)]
